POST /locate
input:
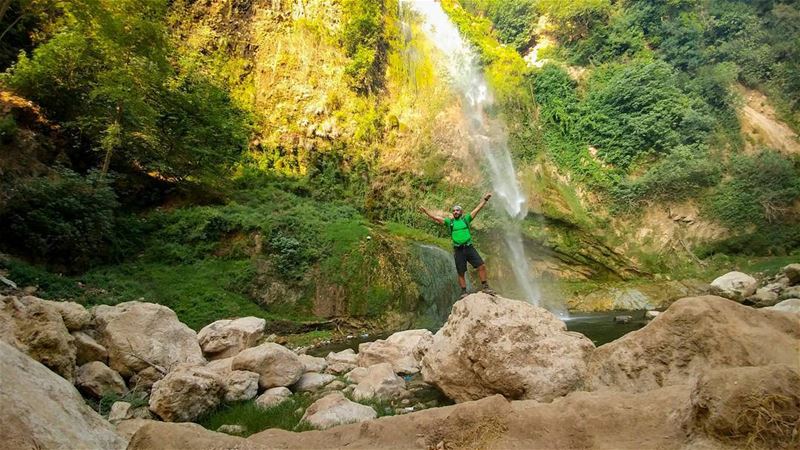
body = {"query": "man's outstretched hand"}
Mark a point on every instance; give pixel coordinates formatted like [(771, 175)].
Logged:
[(487, 196)]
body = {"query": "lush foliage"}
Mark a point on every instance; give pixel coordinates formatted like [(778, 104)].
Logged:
[(681, 174), (67, 221), (513, 20), (286, 415), (365, 42), (761, 190), (106, 74)]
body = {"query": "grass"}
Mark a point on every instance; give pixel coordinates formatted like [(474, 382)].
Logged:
[(199, 292), (286, 415), (103, 405), (310, 338)]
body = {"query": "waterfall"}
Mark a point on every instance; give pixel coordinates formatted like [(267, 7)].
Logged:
[(488, 136), (438, 288)]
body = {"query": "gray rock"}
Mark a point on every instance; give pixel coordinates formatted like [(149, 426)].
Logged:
[(120, 411), (273, 397), (763, 297), (379, 382), (39, 409), (492, 345), (185, 394), (138, 334), (790, 292), (650, 315), (226, 338), (237, 430), (399, 350), (276, 365), (313, 363), (334, 409), (240, 385), (734, 286), (789, 305), (87, 349), (792, 272), (312, 381), (145, 379), (622, 319), (96, 379)]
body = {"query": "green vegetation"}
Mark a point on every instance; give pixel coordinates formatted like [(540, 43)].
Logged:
[(285, 415), (67, 220), (761, 190), (227, 162), (106, 75)]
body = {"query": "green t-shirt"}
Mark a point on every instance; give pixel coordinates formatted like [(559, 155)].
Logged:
[(459, 229)]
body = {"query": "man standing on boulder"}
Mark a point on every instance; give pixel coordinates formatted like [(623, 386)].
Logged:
[(463, 249)]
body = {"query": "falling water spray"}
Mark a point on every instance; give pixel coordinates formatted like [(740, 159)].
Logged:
[(488, 136)]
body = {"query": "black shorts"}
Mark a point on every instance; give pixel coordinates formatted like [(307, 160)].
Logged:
[(466, 253)]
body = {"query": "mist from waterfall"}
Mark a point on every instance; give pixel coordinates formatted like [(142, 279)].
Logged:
[(488, 136)]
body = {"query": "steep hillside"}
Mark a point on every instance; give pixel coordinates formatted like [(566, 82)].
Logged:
[(231, 157)]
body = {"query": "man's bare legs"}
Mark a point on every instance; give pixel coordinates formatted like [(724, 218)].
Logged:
[(482, 273), (462, 279)]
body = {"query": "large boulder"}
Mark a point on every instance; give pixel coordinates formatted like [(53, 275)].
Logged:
[(96, 379), (692, 335), (226, 338), (379, 382), (275, 364), (492, 345), (397, 350), (36, 328), (186, 394), (734, 285), (760, 405), (791, 305), (334, 409), (138, 335), (39, 409), (87, 349)]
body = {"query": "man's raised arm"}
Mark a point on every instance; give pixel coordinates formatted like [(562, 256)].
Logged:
[(482, 203), (436, 219)]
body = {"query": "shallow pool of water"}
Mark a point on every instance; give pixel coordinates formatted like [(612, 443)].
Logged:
[(597, 326), (600, 326)]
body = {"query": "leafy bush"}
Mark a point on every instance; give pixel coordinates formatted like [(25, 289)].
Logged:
[(8, 128), (638, 109), (65, 220), (364, 42), (514, 20), (682, 173), (106, 76), (761, 190), (772, 239)]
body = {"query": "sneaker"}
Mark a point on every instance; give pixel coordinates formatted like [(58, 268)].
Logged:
[(487, 290)]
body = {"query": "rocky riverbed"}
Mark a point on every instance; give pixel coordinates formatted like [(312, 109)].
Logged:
[(709, 372)]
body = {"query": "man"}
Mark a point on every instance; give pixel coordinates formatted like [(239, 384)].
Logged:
[(463, 249)]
